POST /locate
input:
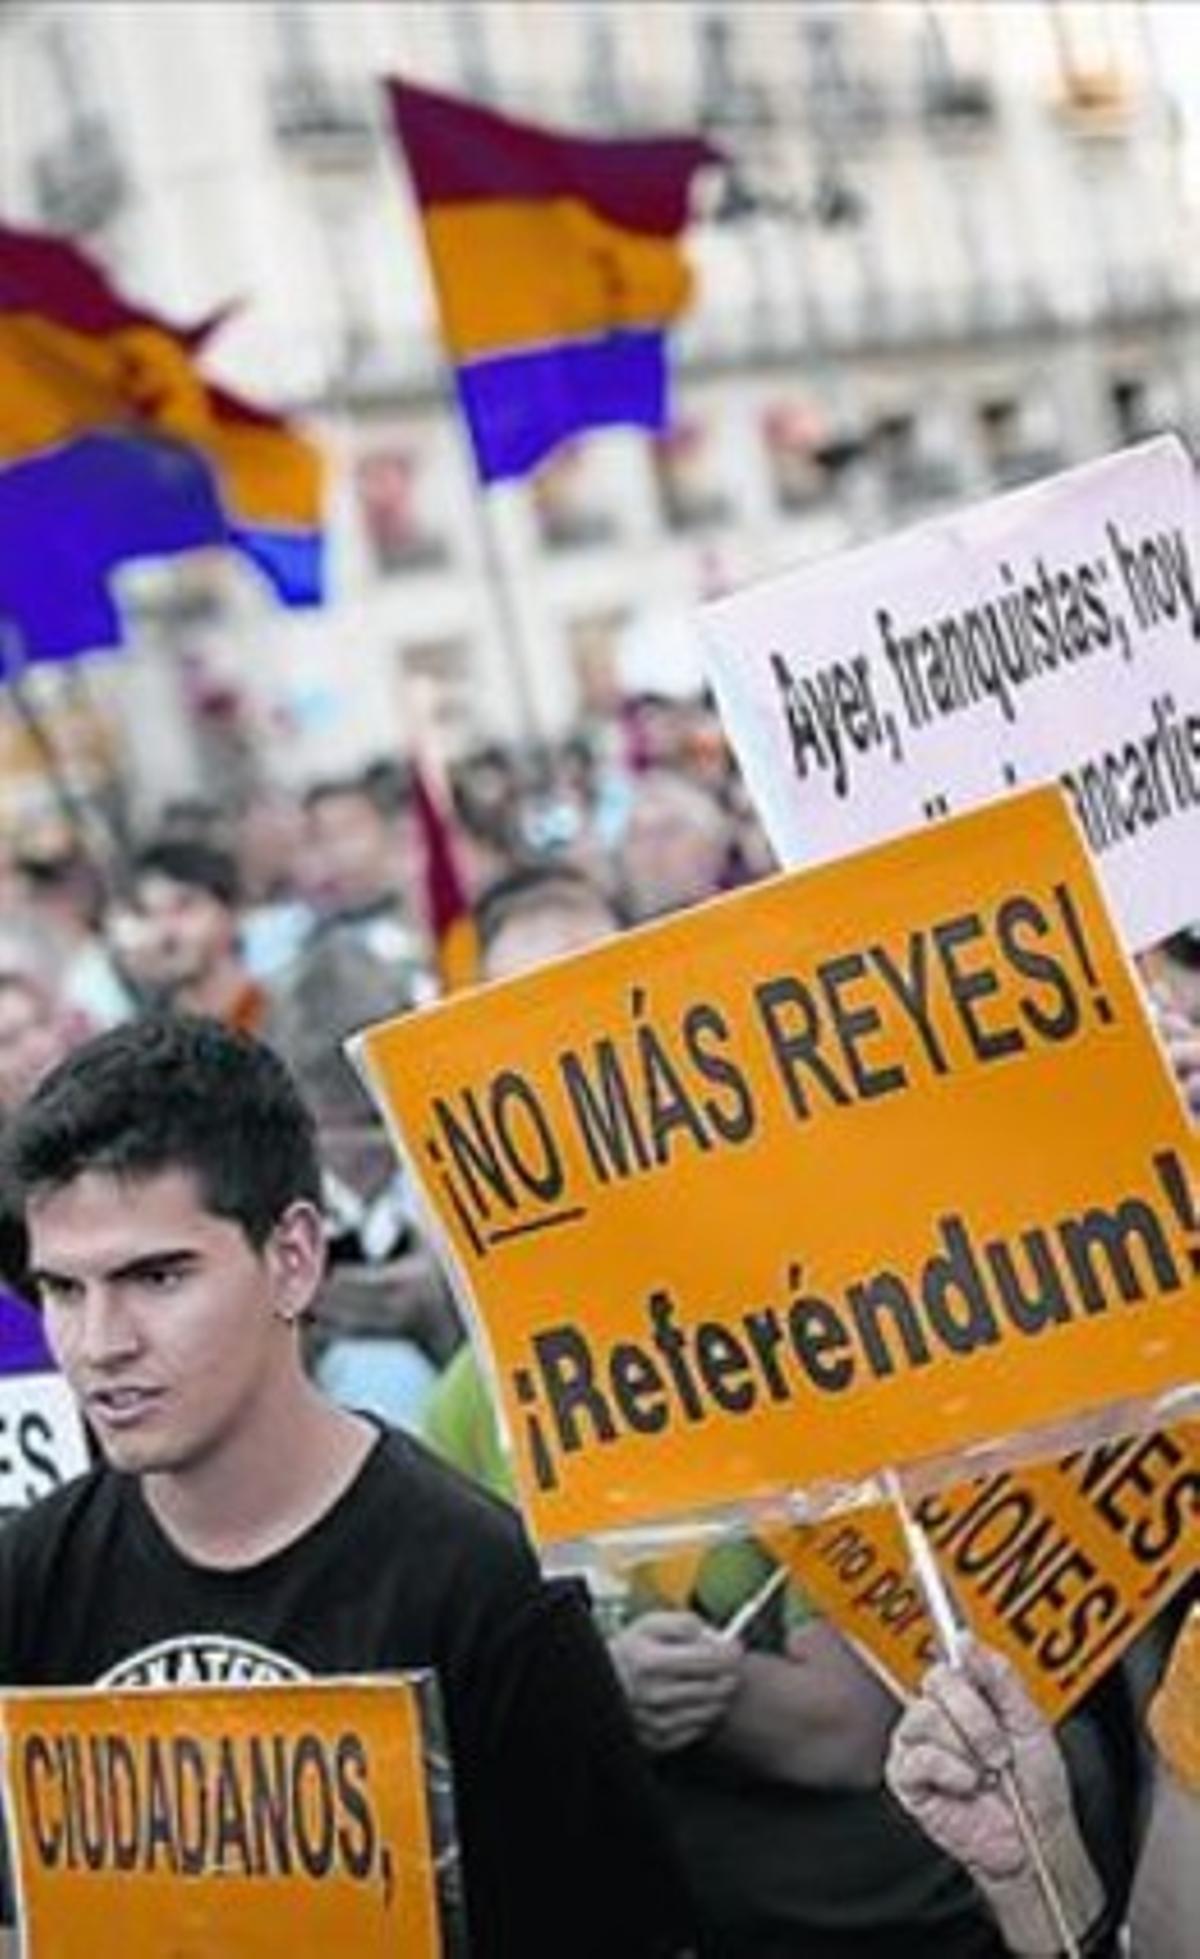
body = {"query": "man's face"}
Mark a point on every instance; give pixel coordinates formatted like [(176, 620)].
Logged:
[(172, 1330), (350, 851), (34, 1037), (185, 931), (673, 850), (548, 930)]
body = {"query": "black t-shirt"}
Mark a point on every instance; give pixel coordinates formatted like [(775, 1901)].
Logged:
[(562, 1837)]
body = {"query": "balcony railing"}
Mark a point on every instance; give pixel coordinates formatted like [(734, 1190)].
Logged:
[(852, 108), (924, 317), (744, 104), (323, 122), (959, 105), (1098, 106)]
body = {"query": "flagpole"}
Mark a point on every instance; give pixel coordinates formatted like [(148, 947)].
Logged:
[(115, 815), (473, 166), (87, 827), (514, 639)]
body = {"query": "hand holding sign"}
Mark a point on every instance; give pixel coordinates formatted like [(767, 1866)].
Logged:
[(956, 1756), (679, 1677)]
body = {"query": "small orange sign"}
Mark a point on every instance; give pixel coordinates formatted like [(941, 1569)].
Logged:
[(861, 1166), (1059, 1566), (247, 1822)]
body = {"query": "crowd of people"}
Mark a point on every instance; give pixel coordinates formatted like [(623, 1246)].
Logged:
[(709, 1768)]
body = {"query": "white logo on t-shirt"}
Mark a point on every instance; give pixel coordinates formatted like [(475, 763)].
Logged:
[(203, 1660)]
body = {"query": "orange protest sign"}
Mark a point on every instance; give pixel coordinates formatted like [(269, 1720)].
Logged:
[(1059, 1565), (248, 1822), (860, 1166)]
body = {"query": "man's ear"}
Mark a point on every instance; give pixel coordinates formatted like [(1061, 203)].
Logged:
[(295, 1254)]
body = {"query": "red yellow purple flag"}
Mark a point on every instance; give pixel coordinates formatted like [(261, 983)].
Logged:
[(114, 445), (447, 906), (558, 267)]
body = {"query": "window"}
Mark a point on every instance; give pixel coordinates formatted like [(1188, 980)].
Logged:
[(594, 646), (438, 673), (956, 93), (912, 472), (567, 517), (602, 92), (793, 432), (312, 109), (388, 486), (690, 494), (469, 28), (726, 95), (78, 176), (1020, 439), (1095, 91)]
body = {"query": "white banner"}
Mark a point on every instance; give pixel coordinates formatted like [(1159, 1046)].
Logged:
[(1048, 634), (42, 1438)]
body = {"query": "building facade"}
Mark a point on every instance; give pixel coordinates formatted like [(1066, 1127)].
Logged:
[(953, 250)]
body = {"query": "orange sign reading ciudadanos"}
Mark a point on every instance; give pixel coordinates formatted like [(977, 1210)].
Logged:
[(246, 1822)]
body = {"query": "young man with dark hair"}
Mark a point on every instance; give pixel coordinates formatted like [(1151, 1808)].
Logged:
[(186, 896), (357, 867), (241, 1526)]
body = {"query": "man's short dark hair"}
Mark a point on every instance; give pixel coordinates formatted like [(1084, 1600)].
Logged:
[(1184, 947), (169, 1093), (332, 788), (192, 861), (537, 886)]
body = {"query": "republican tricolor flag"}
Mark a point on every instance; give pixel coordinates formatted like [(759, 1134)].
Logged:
[(114, 446), (558, 268), (447, 905)]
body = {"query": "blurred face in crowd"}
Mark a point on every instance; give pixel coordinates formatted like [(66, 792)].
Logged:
[(1177, 972), (350, 851), (132, 946), (63, 889), (168, 1323), (706, 752), (34, 1037), (185, 932), (270, 845), (674, 847), (658, 731), (551, 926)]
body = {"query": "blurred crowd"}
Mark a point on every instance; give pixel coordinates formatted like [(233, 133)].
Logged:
[(300, 918)]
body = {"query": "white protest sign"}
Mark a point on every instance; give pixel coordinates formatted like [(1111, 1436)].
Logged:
[(1048, 634), (42, 1441)]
